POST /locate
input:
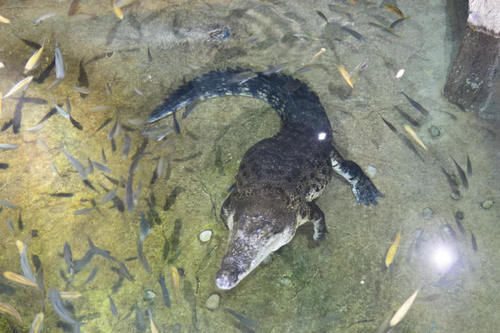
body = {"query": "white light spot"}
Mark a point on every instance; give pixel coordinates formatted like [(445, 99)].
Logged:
[(400, 73), (321, 136), (362, 282), (444, 257)]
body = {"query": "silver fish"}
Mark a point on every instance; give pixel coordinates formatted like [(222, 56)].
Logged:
[(44, 17), (60, 72), (126, 146), (109, 196), (78, 166), (57, 304), (19, 86), (8, 146)]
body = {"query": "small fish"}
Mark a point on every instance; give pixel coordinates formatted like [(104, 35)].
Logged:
[(91, 276), (322, 16), (125, 272), (353, 33), (83, 80), (33, 45), (18, 115), (473, 241), (461, 173), (164, 290), (243, 319), (19, 279), (37, 324), (118, 11), (78, 166), (61, 194), (34, 60), (43, 18), (451, 181), (61, 111), (5, 203), (388, 29), (75, 123), (73, 7), (415, 104), (395, 10), (410, 146), (399, 20), (407, 117), (414, 136), (317, 54), (150, 57), (3, 19), (104, 124), (458, 220), (177, 127), (275, 69), (152, 324), (68, 258), (449, 231), (8, 146), (176, 281), (60, 71), (45, 73), (391, 252), (469, 166), (8, 309), (403, 310), (345, 76), (170, 201), (6, 125), (58, 305), (391, 126), (83, 211), (19, 86), (126, 146), (114, 310), (25, 265), (20, 224), (109, 196), (70, 294), (138, 92), (90, 169)]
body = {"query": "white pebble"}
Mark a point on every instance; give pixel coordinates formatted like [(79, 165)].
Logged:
[(213, 301), (2, 65), (400, 73), (371, 171), (205, 235)]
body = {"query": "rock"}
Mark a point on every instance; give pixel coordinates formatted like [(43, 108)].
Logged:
[(459, 215), (371, 171), (427, 213), (487, 204), (149, 295), (455, 195), (205, 235), (213, 301), (435, 132)]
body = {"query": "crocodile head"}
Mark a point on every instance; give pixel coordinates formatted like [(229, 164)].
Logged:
[(259, 226)]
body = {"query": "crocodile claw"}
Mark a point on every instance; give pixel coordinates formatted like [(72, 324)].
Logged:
[(365, 192)]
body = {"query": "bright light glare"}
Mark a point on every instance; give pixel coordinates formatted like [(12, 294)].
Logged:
[(444, 257), (321, 136)]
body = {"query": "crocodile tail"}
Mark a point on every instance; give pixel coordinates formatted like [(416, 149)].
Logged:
[(292, 99)]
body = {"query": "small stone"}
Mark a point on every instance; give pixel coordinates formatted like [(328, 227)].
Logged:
[(459, 215), (371, 171), (487, 204), (149, 295), (435, 132), (205, 235), (455, 195), (427, 213), (285, 282), (213, 301)]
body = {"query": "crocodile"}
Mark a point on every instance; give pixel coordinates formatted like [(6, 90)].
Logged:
[(279, 178)]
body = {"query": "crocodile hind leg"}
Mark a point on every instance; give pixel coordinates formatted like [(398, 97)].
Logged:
[(362, 187), (317, 217)]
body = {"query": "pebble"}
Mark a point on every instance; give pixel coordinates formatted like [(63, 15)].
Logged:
[(435, 132), (213, 301), (487, 204), (427, 213), (459, 215), (205, 235), (149, 295), (371, 171), (455, 195)]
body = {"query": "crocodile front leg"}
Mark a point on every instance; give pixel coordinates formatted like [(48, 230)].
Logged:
[(362, 187)]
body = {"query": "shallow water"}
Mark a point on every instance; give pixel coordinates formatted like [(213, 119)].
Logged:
[(335, 286)]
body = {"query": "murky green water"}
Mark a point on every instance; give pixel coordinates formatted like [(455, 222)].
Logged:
[(335, 286)]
